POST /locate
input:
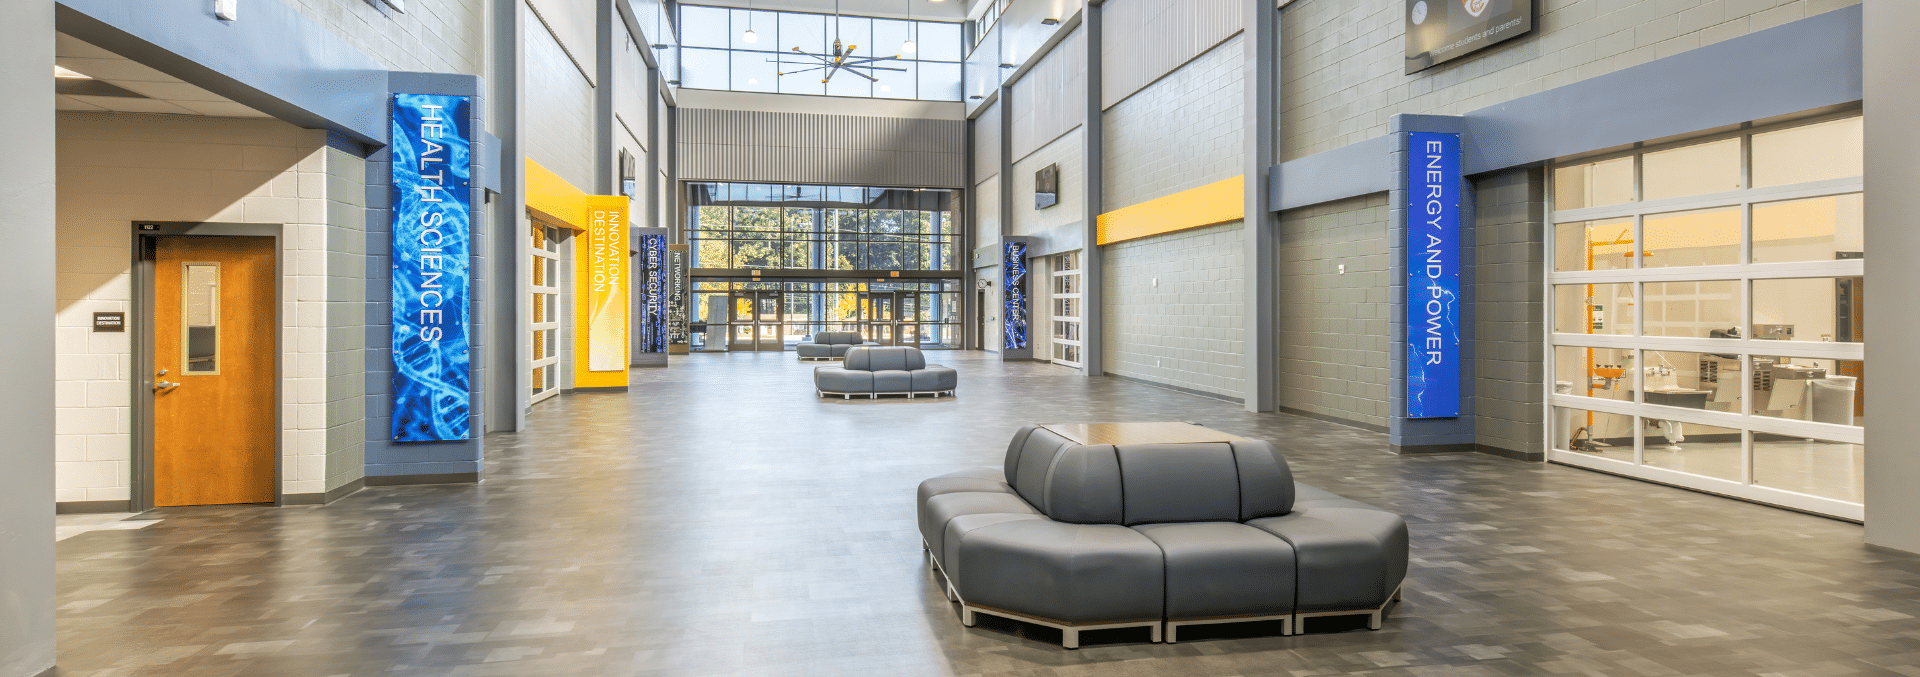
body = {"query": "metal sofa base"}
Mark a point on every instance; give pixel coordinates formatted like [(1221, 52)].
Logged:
[(804, 358), (1375, 616), (1292, 624), (1069, 632), (910, 395)]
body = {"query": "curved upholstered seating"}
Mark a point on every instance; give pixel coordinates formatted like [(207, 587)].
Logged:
[(885, 370), (1082, 537), (829, 345)]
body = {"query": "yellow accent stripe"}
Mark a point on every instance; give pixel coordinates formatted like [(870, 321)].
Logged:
[(555, 199), (1208, 205)]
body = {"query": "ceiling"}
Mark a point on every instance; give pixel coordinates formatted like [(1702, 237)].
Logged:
[(151, 91), (945, 10)]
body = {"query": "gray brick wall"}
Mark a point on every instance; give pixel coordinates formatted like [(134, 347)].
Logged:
[(1189, 331), (441, 36), (1066, 152), (559, 125), (1334, 340), (1182, 132), (1342, 62), (346, 356), (1510, 247)]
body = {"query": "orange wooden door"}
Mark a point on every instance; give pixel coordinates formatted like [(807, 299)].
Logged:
[(213, 348)]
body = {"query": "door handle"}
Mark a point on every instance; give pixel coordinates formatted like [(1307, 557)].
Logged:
[(165, 384)]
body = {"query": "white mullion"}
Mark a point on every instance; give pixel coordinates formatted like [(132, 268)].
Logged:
[(1758, 271), (1798, 191), (1788, 427), (1812, 350)]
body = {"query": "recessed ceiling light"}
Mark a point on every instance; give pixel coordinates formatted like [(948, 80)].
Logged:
[(1049, 21), (60, 72)]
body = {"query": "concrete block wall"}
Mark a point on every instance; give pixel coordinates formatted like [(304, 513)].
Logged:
[(1334, 344), (346, 318), (1184, 131), (442, 36), (1066, 152), (1188, 331), (559, 128), (117, 168), (1342, 63), (1510, 251)]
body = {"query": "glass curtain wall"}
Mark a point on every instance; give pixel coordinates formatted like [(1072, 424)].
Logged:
[(880, 261), (716, 53), (1706, 315)]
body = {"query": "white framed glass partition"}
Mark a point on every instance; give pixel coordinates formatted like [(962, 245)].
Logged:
[(1705, 315)]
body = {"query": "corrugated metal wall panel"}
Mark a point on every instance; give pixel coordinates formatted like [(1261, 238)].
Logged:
[(1045, 99), (728, 145), (1146, 39), (986, 142)]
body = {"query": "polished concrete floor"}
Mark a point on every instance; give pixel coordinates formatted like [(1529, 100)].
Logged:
[(722, 520)]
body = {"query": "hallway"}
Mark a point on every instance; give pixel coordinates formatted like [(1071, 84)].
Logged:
[(722, 520)]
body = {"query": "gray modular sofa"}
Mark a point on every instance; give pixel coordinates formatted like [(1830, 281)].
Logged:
[(829, 345), (1085, 537), (886, 370)]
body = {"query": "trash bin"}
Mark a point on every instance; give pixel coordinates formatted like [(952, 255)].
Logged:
[(1831, 399)]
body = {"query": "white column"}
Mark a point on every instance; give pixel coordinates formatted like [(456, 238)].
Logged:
[(26, 407)]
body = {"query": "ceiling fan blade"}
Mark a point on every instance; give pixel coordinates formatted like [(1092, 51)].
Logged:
[(803, 70)]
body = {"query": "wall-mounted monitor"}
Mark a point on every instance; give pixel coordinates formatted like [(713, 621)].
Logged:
[(1439, 31), (1046, 187)]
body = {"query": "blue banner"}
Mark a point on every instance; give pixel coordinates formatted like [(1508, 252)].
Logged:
[(432, 167), (653, 293), (1014, 280), (1433, 275)]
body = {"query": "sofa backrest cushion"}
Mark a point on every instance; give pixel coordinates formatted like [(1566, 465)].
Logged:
[(885, 358), (838, 338), (1179, 483), (1148, 483)]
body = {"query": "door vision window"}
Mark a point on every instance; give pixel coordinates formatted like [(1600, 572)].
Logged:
[(200, 318)]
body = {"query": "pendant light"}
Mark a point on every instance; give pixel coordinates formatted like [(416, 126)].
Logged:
[(749, 37), (908, 47)]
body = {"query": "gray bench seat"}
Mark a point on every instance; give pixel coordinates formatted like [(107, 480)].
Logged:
[(1082, 537), (886, 370), (829, 345)]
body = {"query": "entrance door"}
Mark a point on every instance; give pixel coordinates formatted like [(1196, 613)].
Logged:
[(214, 345), (878, 311), (892, 317), (906, 326), (756, 321)]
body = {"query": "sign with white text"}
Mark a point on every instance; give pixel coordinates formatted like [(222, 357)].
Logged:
[(431, 212), (1433, 275), (653, 293), (1439, 31), (606, 283)]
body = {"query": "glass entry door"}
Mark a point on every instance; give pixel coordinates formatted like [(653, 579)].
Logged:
[(891, 318), (756, 321)]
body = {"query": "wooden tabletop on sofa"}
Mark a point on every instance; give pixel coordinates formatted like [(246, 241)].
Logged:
[(1162, 432)]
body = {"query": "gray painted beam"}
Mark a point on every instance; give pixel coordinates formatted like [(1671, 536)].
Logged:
[(1093, 162), (275, 60), (1893, 103), (26, 484), (1348, 171), (1262, 228), (1803, 65), (509, 249)]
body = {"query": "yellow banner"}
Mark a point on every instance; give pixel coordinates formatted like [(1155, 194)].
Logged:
[(605, 285)]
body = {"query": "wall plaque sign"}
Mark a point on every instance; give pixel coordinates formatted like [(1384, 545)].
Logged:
[(431, 216), (1433, 275)]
